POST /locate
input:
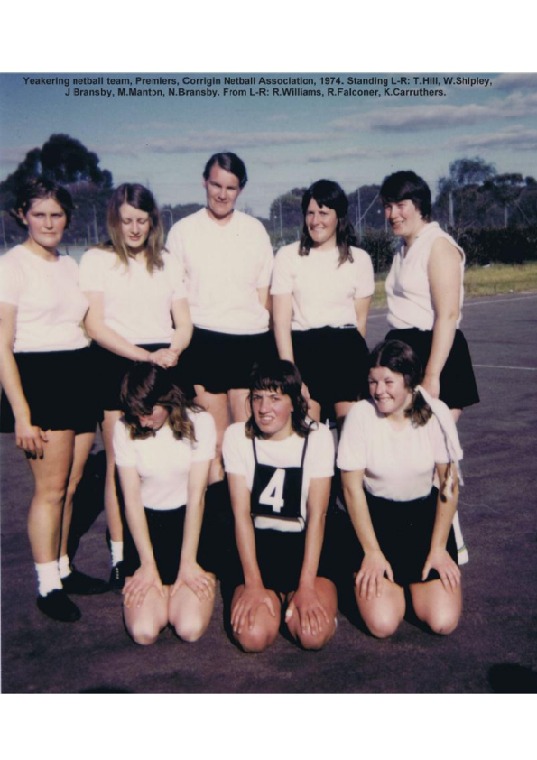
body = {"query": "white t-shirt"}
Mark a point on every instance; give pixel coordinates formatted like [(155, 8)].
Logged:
[(50, 304), (224, 266), (163, 462), (137, 304), (398, 464), (323, 292), (238, 453), (408, 289)]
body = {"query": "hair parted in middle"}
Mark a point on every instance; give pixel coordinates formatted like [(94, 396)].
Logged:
[(147, 385), (139, 197), (280, 375), (328, 193), (400, 358)]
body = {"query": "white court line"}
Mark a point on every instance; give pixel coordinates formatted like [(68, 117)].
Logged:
[(504, 366), (476, 301)]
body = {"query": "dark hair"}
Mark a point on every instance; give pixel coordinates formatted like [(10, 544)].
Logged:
[(230, 162), (147, 385), (407, 185), (329, 194), (279, 375), (139, 197), (401, 359), (40, 188)]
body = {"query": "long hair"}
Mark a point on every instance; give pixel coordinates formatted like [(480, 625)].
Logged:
[(40, 188), (401, 359), (407, 185), (147, 385), (279, 375), (328, 193), (139, 197)]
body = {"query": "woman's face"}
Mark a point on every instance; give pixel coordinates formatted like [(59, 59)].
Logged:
[(272, 412), (321, 223), (154, 421), (388, 391), (46, 222), (404, 218), (135, 226)]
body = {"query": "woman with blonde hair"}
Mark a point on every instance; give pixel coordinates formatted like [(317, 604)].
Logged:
[(138, 312)]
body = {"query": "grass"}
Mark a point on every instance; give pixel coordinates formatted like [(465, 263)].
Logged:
[(484, 281)]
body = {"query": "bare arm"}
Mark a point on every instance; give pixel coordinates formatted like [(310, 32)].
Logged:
[(283, 312), (105, 336), (445, 282), (28, 437), (190, 572), (361, 306), (255, 594), (147, 574), (439, 558), (183, 326), (374, 565)]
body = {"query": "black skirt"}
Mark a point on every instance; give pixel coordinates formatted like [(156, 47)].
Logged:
[(59, 387), (458, 387)]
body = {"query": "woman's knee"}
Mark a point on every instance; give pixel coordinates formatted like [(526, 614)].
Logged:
[(190, 629), (143, 633), (255, 640), (442, 622)]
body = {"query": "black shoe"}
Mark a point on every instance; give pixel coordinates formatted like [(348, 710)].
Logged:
[(80, 583), (57, 605), (117, 577)]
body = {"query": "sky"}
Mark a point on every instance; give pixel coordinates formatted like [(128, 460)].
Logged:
[(286, 140)]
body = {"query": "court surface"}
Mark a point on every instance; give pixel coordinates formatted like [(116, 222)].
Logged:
[(493, 650)]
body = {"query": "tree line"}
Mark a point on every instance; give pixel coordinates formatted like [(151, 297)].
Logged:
[(493, 216)]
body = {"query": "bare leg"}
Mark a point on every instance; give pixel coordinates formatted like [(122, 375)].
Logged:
[(383, 614), (265, 628), (189, 615), (238, 404), (434, 605), (50, 486), (111, 501), (146, 622), (82, 448), (327, 594), (216, 404)]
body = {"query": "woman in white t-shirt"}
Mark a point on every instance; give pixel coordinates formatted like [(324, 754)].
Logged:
[(322, 288), (48, 398), (279, 466), (391, 447), (138, 311), (163, 447)]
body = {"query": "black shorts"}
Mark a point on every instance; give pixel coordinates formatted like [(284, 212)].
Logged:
[(109, 370), (280, 557), (333, 363), (221, 361), (166, 534), (59, 387), (458, 387), (403, 530)]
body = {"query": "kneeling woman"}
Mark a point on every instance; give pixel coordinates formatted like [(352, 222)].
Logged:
[(279, 466), (390, 449), (163, 447)]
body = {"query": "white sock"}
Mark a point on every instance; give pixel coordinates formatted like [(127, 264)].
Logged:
[(64, 566), (116, 549), (48, 577)]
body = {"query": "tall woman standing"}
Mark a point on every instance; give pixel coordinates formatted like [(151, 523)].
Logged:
[(322, 288), (47, 398), (425, 292), (137, 312)]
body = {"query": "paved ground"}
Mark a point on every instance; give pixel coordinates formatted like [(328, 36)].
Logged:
[(494, 649)]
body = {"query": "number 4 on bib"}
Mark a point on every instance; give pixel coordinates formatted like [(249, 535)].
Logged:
[(272, 494)]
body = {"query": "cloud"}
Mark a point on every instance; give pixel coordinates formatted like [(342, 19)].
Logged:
[(515, 81), (516, 138)]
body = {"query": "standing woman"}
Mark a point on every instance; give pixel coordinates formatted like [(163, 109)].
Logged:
[(45, 372), (322, 288), (138, 312), (391, 447), (227, 259), (163, 448), (425, 292), (279, 466)]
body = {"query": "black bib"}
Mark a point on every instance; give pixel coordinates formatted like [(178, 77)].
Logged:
[(277, 491)]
